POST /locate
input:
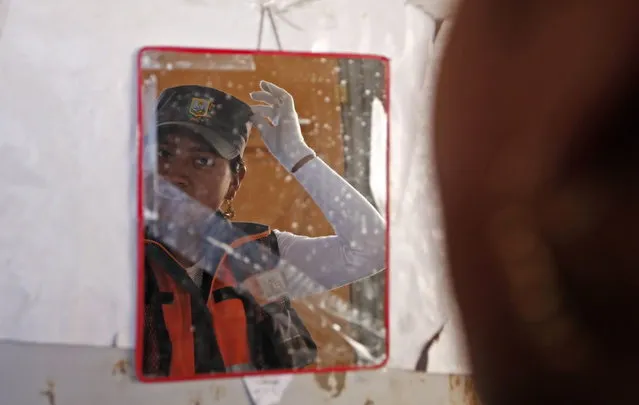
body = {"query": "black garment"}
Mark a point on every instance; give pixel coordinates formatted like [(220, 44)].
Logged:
[(269, 349)]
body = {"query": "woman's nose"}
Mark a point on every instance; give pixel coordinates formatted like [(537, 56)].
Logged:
[(179, 181), (176, 174)]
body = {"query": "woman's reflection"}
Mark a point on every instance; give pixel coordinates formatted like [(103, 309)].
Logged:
[(196, 323)]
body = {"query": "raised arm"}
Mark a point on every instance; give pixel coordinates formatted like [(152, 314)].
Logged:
[(357, 249)]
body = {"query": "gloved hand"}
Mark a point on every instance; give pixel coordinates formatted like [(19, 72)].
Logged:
[(282, 135)]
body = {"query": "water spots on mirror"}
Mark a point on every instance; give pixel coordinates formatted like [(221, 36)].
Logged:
[(300, 225)]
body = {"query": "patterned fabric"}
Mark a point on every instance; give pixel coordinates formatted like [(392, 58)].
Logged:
[(277, 336), (289, 344), (196, 274), (156, 344), (151, 357)]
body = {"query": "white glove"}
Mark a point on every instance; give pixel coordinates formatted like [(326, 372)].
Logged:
[(282, 135)]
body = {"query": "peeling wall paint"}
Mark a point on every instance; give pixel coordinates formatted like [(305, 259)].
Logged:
[(462, 391), (333, 383), (65, 375)]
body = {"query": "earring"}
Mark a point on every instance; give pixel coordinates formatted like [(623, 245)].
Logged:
[(227, 209)]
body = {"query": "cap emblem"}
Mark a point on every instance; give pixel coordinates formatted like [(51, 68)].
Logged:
[(200, 108)]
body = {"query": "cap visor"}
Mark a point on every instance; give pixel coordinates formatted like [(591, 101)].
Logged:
[(212, 138)]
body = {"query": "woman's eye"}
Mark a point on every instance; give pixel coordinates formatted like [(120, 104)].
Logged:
[(163, 153), (204, 161)]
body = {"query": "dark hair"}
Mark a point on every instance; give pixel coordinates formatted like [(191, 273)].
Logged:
[(237, 165)]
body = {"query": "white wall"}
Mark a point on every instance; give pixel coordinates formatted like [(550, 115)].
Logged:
[(67, 154)]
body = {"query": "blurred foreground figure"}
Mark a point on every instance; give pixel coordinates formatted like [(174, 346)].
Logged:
[(537, 147)]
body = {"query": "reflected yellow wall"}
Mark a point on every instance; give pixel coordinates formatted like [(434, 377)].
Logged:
[(269, 195)]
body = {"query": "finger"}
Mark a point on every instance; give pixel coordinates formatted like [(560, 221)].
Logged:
[(264, 110), (264, 97), (273, 89), (281, 95), (260, 122)]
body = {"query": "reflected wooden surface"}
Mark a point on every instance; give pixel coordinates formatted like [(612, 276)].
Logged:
[(270, 195)]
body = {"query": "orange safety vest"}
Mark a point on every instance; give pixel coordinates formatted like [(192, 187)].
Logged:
[(212, 328)]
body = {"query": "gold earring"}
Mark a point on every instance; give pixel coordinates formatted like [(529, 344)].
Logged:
[(227, 209)]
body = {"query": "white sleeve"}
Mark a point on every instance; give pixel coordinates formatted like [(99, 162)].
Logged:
[(357, 249)]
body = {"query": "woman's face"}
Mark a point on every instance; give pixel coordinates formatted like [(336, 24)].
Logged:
[(196, 169)]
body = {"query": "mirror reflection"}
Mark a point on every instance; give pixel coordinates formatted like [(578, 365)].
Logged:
[(264, 222)]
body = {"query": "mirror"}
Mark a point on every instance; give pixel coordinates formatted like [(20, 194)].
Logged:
[(264, 233)]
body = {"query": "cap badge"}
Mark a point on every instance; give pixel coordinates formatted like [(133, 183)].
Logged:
[(200, 107)]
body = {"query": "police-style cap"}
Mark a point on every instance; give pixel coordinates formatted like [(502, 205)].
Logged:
[(219, 118)]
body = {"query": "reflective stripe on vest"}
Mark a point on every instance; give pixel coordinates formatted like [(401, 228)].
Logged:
[(234, 341)]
